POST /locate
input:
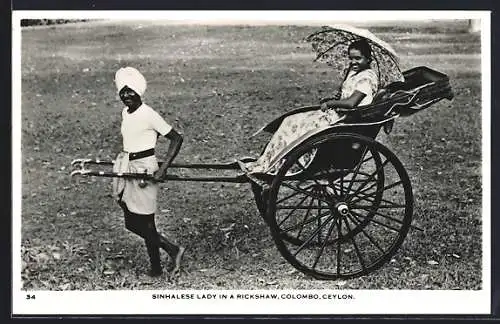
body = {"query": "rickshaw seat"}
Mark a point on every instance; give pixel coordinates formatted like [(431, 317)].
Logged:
[(422, 87)]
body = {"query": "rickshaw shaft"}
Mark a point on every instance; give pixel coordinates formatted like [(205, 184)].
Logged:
[(170, 177), (218, 166)]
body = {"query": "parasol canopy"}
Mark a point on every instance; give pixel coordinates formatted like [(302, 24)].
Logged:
[(331, 43)]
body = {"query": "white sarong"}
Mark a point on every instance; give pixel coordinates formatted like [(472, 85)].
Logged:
[(138, 200)]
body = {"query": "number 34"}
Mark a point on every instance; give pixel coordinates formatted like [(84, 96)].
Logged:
[(30, 296)]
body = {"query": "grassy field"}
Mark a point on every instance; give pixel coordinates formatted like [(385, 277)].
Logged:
[(218, 85)]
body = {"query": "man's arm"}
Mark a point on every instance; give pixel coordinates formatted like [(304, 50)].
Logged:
[(176, 140)]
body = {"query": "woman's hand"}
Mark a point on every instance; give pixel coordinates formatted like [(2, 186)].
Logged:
[(342, 110), (324, 107)]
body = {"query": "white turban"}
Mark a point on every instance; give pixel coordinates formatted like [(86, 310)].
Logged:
[(132, 78)]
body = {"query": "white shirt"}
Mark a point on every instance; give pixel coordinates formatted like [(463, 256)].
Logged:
[(140, 129)]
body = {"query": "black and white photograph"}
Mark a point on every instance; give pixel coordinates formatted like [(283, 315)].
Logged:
[(259, 162)]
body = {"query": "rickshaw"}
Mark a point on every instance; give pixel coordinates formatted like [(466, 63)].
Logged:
[(338, 203)]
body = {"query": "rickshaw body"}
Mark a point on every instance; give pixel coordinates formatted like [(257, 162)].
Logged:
[(338, 203)]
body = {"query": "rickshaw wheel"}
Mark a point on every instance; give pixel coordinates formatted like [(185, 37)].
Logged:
[(344, 216)]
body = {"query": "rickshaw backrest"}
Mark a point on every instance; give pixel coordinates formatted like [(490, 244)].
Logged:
[(422, 87)]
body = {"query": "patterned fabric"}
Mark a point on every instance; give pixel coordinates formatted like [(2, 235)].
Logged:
[(294, 126), (330, 46), (365, 81)]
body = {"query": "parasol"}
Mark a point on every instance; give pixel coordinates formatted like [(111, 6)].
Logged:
[(331, 43)]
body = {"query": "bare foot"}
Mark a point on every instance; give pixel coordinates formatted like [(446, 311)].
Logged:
[(177, 261)]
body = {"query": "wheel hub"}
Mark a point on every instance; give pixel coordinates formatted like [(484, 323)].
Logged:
[(342, 208)]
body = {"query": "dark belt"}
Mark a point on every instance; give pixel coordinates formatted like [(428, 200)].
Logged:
[(141, 154)]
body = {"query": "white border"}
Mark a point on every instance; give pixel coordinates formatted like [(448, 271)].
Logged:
[(141, 302), (486, 149)]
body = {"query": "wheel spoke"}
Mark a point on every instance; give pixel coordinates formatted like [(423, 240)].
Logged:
[(372, 240), (331, 185), (382, 215), (392, 185), (363, 197), (320, 252), (321, 175), (370, 177), (342, 185), (384, 189), (390, 203), (339, 250), (299, 207), (392, 206), (296, 226), (334, 187), (292, 195), (356, 246), (368, 158), (375, 221), (293, 210), (362, 193), (313, 195), (305, 218), (313, 234), (319, 220), (356, 170)]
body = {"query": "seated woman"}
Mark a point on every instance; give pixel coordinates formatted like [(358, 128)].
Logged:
[(358, 89)]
